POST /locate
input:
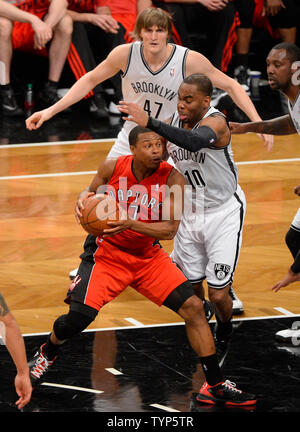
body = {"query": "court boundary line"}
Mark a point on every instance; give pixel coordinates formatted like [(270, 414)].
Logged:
[(101, 329), (54, 143), (62, 174)]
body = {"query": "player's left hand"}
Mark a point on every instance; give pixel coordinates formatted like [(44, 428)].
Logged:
[(289, 278), (134, 113)]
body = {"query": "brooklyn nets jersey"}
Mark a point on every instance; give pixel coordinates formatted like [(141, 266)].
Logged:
[(155, 92), (294, 110), (211, 170)]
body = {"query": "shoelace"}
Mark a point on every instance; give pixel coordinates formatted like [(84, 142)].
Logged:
[(40, 367), (231, 386)]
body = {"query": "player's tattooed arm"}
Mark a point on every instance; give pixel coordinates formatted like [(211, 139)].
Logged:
[(277, 126), (3, 307)]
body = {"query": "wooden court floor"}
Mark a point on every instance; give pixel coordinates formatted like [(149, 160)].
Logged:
[(41, 241)]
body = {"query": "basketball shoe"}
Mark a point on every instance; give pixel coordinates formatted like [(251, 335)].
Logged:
[(39, 366), (237, 305), (73, 273), (224, 393), (290, 336), (8, 102)]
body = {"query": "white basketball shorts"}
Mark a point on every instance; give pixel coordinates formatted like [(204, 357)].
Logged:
[(212, 251)]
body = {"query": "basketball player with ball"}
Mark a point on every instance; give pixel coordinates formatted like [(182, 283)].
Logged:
[(152, 71), (150, 196)]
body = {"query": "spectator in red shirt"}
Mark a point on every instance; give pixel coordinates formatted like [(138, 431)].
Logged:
[(54, 41)]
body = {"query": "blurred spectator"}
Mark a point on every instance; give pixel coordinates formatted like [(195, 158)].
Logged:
[(214, 18), (13, 339), (278, 17), (55, 35)]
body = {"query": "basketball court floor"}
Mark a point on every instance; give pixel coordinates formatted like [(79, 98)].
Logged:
[(135, 357)]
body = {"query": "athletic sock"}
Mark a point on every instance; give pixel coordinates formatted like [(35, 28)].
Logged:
[(223, 328), (53, 84), (212, 370), (5, 86)]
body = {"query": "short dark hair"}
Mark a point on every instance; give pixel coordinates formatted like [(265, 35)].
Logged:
[(292, 50), (135, 133), (202, 82)]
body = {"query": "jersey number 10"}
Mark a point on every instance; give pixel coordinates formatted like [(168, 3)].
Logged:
[(195, 179)]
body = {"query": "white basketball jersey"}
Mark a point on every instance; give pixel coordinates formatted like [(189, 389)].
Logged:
[(155, 92), (211, 169), (294, 110)]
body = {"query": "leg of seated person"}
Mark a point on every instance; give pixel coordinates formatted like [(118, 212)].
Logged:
[(9, 106), (58, 51), (6, 50), (59, 47)]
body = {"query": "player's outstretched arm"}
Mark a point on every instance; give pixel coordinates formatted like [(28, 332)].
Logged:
[(289, 278), (277, 126), (15, 345), (114, 62)]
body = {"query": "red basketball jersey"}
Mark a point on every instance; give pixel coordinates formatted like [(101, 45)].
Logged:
[(142, 200)]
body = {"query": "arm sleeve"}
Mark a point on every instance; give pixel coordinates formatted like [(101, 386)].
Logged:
[(192, 140)]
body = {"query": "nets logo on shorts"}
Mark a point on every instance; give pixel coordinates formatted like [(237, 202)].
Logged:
[(222, 270)]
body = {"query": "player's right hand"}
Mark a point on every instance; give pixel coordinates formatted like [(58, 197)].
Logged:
[(37, 119), (79, 204)]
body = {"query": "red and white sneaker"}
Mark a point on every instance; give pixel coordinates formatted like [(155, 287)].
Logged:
[(226, 393), (39, 366)]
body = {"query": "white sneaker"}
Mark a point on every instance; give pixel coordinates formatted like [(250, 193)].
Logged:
[(237, 305), (73, 273), (289, 336), (216, 96), (113, 109)]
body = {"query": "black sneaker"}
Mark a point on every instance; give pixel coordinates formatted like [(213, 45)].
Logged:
[(9, 104), (39, 365), (225, 393), (49, 95), (98, 107), (208, 309)]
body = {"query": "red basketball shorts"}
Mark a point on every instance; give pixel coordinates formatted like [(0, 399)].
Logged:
[(23, 36), (155, 276)]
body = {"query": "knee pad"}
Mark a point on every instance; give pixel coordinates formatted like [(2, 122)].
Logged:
[(71, 324)]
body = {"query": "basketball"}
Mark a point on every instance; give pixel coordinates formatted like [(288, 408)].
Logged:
[(98, 210)]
